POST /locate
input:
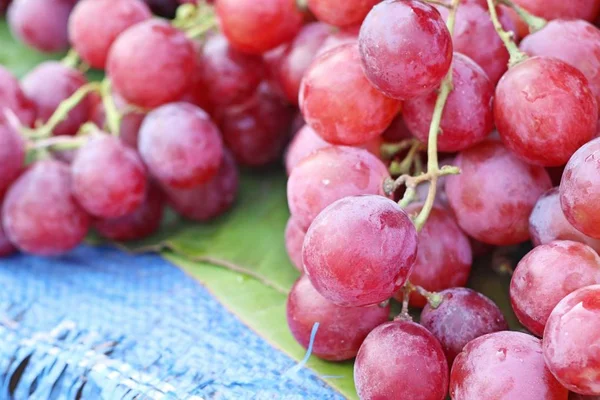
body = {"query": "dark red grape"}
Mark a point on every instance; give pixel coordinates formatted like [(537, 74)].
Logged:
[(48, 85), (294, 239), (12, 152), (142, 222), (401, 360), (338, 101), (210, 199), (341, 12), (503, 366), (40, 215), (405, 47), (41, 24), (256, 27), (397, 131), (329, 175), (576, 396), (493, 196), (571, 341), (13, 98), (580, 189), (158, 71), (180, 145), (95, 24), (360, 250), (546, 275), (468, 115), (560, 9), (544, 110), (463, 315), (341, 329)]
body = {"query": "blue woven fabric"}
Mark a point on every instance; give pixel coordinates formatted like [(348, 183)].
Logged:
[(102, 324)]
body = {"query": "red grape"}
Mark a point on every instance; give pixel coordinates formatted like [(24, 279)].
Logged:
[(571, 341), (544, 110), (341, 329), (210, 199), (158, 71), (405, 47), (331, 174), (546, 275), (338, 101), (503, 366), (463, 315), (180, 145), (580, 189), (95, 24), (257, 26), (40, 215), (493, 196), (294, 238), (142, 222), (108, 178), (401, 360), (41, 24), (13, 98), (468, 117), (360, 250), (341, 12), (342, 36), (560, 9), (48, 85), (12, 153)]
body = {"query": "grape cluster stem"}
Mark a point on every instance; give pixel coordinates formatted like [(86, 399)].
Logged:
[(534, 22), (516, 55)]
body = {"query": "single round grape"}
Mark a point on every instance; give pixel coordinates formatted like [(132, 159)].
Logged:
[(463, 315), (255, 27), (401, 360), (210, 199), (341, 329), (41, 24), (180, 145), (560, 9), (468, 114), (257, 131), (12, 153), (40, 215), (406, 48), (580, 189), (294, 239), (338, 38), (48, 85), (227, 76), (158, 71), (13, 98), (493, 196), (444, 257), (341, 12), (544, 110), (95, 24), (571, 341), (360, 250), (108, 178), (141, 223), (329, 175), (546, 275), (338, 101), (503, 366)]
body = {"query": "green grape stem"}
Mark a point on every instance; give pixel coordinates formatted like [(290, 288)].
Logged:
[(112, 114), (516, 55), (534, 22)]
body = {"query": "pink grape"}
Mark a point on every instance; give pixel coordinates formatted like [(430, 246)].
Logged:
[(12, 153), (255, 27), (468, 115), (13, 98), (401, 360), (405, 48), (95, 24), (329, 175), (488, 197), (544, 110), (580, 190), (158, 71), (342, 36), (338, 101), (341, 12), (108, 178), (50, 83), (559, 9), (40, 215), (294, 239), (503, 366), (463, 315), (546, 275), (341, 329), (571, 341), (180, 145), (360, 250)]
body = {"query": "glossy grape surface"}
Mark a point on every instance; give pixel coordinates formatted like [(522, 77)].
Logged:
[(341, 12), (559, 9)]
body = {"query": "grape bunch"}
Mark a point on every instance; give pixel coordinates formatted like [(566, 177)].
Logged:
[(417, 136)]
